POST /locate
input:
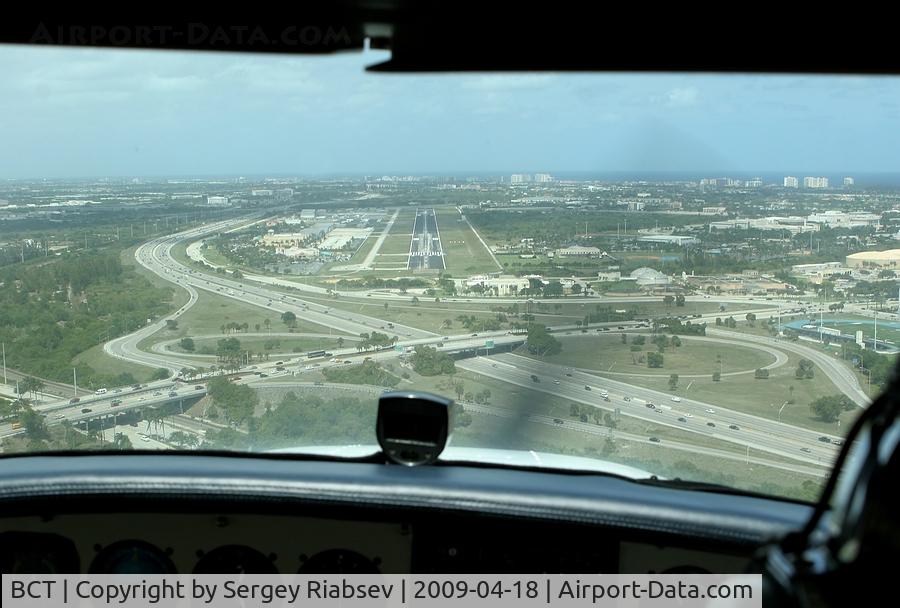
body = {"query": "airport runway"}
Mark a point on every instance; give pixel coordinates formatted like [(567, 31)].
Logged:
[(425, 250)]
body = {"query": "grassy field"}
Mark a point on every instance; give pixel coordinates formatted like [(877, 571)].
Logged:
[(463, 252), (214, 256), (758, 397), (280, 344), (97, 359), (602, 352), (850, 324), (395, 249), (212, 311), (395, 246)]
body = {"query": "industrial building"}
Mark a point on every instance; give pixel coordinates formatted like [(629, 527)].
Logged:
[(579, 251), (880, 259), (670, 239)]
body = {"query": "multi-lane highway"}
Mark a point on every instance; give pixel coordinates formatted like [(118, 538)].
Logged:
[(710, 422), (585, 387)]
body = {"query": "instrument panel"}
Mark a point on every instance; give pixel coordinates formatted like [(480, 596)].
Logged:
[(163, 543), (166, 543)]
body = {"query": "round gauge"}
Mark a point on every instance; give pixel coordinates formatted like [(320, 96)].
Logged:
[(338, 561), (132, 557), (235, 559), (37, 553)]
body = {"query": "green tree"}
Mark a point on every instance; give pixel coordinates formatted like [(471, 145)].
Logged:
[(121, 442), (673, 382), (289, 319), (751, 319), (540, 342), (160, 373), (235, 401), (716, 376), (654, 360), (761, 373), (428, 361), (459, 388), (34, 424), (187, 344), (828, 409), (805, 370)]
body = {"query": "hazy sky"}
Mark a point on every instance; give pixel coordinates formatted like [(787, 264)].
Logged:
[(85, 112)]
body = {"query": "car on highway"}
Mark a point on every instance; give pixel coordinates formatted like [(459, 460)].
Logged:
[(688, 415), (807, 450), (654, 439), (86, 410), (710, 411), (712, 424), (626, 398), (534, 378), (682, 420), (173, 394), (734, 427), (587, 388), (556, 381), (74, 400), (569, 375), (838, 442), (825, 439), (115, 403), (100, 391), (199, 387), (59, 416), (676, 399), (557, 421), (157, 394)]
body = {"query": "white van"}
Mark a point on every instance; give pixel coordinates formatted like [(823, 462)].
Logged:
[(100, 391)]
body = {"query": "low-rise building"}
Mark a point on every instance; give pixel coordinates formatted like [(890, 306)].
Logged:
[(670, 239), (579, 251), (505, 285), (714, 211)]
